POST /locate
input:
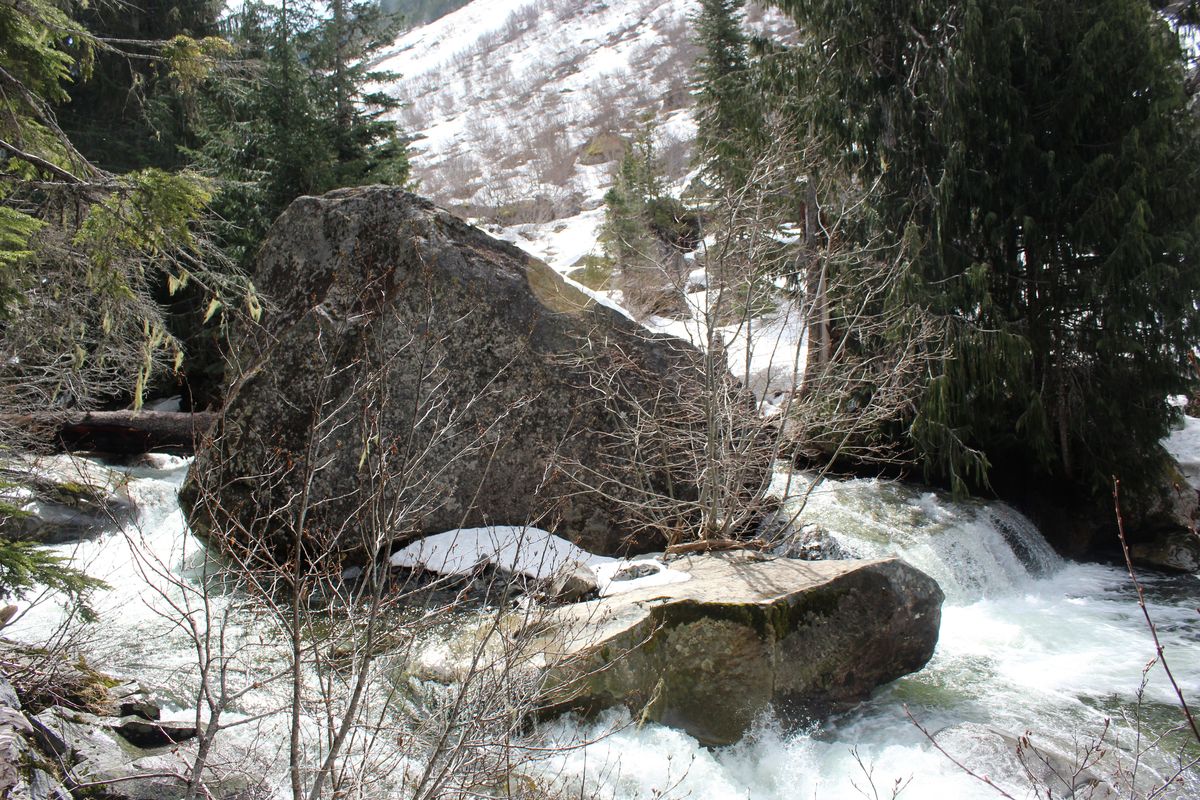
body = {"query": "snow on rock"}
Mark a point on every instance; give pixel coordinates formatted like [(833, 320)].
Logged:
[(531, 552), (1184, 447), (618, 577)]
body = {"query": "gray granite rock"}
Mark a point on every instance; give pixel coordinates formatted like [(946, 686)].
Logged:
[(742, 633), (484, 367)]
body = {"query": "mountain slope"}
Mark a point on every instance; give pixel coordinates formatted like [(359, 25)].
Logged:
[(522, 107)]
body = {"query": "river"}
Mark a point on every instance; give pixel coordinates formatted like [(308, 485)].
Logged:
[(1029, 643)]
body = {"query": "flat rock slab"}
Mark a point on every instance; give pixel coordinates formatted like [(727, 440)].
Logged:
[(745, 633)]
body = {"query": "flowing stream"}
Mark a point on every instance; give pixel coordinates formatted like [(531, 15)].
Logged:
[(1029, 643)]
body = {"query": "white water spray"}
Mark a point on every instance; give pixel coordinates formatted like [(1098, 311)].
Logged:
[(1028, 643), (972, 549)]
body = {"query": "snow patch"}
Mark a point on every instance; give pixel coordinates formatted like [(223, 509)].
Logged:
[(766, 353), (531, 552), (1184, 447)]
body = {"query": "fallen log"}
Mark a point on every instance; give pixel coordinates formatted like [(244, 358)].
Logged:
[(115, 432), (715, 546)]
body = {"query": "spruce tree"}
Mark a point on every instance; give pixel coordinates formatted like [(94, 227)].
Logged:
[(1037, 160), (86, 248), (645, 229), (300, 119), (129, 114), (627, 234), (728, 118)]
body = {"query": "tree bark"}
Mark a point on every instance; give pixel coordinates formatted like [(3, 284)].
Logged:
[(116, 432)]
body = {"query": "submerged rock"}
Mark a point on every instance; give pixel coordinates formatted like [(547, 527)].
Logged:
[(810, 541), (486, 379), (1176, 551), (58, 499), (710, 654), (1039, 765)]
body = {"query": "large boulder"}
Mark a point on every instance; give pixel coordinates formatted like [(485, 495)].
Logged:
[(409, 355), (1172, 551), (718, 639)]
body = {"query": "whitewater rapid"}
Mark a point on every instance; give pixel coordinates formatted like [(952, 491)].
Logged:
[(1029, 643)]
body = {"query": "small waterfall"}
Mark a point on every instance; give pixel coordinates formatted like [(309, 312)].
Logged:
[(972, 548)]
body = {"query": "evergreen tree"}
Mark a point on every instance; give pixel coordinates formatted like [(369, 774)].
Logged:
[(728, 117), (82, 250), (300, 119), (626, 234), (1037, 160), (130, 113), (644, 227)]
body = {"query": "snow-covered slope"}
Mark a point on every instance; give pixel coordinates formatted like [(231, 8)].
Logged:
[(520, 108)]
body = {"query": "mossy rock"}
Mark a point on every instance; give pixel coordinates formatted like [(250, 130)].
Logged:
[(60, 499), (44, 679), (742, 634), (603, 148), (745, 634), (594, 272)]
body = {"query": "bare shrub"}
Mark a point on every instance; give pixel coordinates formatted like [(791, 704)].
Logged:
[(499, 82), (553, 155), (675, 155), (569, 61), (416, 115), (455, 178), (525, 204), (447, 104), (831, 401), (357, 719), (521, 21), (526, 84), (604, 100)]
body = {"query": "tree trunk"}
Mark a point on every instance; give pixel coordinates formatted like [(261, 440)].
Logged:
[(117, 432), (820, 345)]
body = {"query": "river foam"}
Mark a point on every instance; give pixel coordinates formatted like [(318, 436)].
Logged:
[(1029, 642)]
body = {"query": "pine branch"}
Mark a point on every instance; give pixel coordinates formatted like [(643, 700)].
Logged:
[(42, 164)]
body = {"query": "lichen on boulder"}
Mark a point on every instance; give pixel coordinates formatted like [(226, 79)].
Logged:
[(398, 332)]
